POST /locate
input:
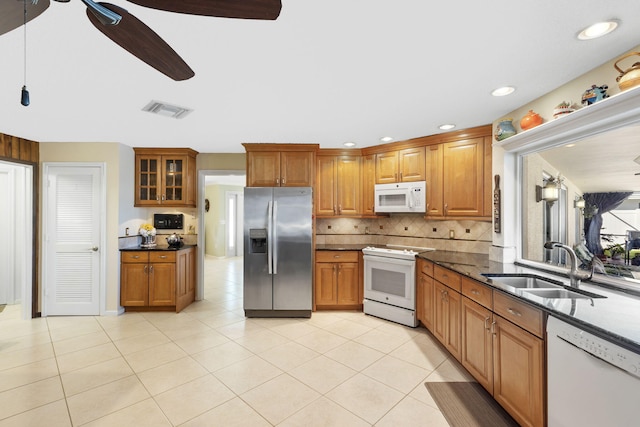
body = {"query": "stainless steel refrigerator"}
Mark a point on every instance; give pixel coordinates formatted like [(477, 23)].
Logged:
[(278, 251)]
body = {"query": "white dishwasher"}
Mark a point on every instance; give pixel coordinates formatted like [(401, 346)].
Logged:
[(590, 381)]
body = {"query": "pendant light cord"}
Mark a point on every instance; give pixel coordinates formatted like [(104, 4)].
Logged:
[(25, 42)]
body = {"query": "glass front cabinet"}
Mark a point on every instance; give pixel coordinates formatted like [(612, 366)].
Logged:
[(165, 177)]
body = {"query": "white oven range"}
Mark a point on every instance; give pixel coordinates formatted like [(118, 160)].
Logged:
[(389, 283)]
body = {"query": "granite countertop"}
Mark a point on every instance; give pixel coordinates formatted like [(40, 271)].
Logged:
[(616, 317), (156, 248), (343, 247)]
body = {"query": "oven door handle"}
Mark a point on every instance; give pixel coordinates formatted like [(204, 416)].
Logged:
[(389, 260)]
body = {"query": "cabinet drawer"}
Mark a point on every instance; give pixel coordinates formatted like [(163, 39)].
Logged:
[(447, 277), (477, 292), (134, 256), (160, 256), (523, 315), (425, 267), (336, 256)]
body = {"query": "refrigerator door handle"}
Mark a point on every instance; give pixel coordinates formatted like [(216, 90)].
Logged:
[(275, 238), (270, 237)]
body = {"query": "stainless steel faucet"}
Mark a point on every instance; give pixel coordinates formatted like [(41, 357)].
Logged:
[(575, 275)]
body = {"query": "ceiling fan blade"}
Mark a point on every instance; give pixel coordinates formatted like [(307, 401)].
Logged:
[(12, 13), (142, 42), (245, 9)]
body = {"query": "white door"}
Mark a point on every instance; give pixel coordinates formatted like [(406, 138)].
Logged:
[(234, 229), (73, 234)]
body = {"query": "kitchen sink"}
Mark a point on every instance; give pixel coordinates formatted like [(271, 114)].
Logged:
[(558, 293), (531, 285), (520, 281)]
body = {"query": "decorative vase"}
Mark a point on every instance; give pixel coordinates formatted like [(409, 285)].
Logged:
[(531, 120), (505, 129)]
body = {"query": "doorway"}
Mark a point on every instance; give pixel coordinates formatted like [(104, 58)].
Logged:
[(16, 226), (214, 219)]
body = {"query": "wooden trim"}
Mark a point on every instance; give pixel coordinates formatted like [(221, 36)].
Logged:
[(251, 146), (339, 152), (165, 151), (422, 141)]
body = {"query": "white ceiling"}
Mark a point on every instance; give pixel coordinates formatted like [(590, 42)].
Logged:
[(602, 163), (327, 71)]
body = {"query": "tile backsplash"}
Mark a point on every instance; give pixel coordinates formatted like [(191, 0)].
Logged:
[(407, 230)]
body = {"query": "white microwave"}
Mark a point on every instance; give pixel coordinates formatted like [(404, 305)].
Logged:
[(401, 197)]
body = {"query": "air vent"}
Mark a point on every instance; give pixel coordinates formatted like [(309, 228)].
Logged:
[(167, 110)]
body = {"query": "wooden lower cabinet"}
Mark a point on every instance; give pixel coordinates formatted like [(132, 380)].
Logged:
[(446, 321), (497, 338), (337, 280), (519, 376), (157, 280), (477, 347)]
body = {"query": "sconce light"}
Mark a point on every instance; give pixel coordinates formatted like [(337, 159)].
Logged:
[(549, 193), (579, 203)]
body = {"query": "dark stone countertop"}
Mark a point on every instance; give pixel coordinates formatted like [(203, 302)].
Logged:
[(616, 317), (342, 247), (156, 248)]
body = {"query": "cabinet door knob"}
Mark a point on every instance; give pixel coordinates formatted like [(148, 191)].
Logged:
[(151, 269)]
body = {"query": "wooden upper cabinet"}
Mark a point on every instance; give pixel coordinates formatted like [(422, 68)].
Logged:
[(368, 184), (433, 173), (263, 169), (280, 165), (406, 165), (488, 177), (165, 177), (337, 185), (463, 177)]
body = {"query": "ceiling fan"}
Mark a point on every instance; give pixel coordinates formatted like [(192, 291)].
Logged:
[(133, 35)]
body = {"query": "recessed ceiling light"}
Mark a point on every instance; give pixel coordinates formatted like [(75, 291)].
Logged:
[(349, 144), (447, 126), (502, 91), (598, 29), (570, 145), (386, 139)]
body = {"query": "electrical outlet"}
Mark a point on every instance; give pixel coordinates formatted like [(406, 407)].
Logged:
[(467, 230), (452, 234)]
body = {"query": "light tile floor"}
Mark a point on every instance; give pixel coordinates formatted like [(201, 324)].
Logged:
[(210, 366)]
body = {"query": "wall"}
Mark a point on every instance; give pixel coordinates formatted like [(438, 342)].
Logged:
[(534, 166), (406, 230), (221, 161), (109, 154)]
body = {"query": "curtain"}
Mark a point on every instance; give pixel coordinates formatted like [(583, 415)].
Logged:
[(605, 202)]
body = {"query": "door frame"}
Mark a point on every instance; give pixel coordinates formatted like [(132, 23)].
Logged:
[(102, 253), (28, 298), (202, 174)]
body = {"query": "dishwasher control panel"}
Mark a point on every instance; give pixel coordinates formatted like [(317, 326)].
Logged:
[(602, 349)]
